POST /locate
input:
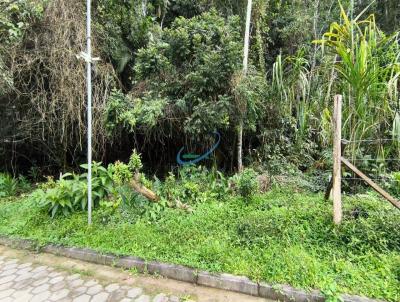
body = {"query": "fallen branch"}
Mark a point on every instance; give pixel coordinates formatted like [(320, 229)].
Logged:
[(149, 194)]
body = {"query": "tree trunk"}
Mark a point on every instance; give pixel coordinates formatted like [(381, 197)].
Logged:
[(240, 146), (245, 64)]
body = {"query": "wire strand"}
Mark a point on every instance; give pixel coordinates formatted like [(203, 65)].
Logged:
[(375, 159), (359, 178), (370, 140)]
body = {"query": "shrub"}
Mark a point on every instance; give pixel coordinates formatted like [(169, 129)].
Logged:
[(60, 198), (120, 172), (11, 186), (246, 183), (135, 162), (194, 184), (70, 192), (8, 185)]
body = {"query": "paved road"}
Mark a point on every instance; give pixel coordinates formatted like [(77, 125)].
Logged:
[(32, 277), (27, 282)]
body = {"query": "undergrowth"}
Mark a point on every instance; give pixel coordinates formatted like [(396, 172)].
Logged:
[(282, 236)]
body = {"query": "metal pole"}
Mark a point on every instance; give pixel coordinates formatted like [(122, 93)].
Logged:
[(89, 107)]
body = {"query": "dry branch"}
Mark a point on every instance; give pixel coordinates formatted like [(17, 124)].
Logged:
[(138, 187)]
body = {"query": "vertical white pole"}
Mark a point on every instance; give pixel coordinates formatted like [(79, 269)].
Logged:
[(89, 107), (247, 37), (245, 64)]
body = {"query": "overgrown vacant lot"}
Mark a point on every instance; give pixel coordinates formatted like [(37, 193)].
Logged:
[(226, 142), (280, 237)]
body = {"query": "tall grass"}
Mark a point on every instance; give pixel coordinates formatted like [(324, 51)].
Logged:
[(290, 79), (368, 68)]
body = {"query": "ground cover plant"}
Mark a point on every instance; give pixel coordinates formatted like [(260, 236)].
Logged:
[(281, 236), (261, 226)]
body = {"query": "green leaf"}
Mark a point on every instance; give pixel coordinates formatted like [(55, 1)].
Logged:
[(54, 211)]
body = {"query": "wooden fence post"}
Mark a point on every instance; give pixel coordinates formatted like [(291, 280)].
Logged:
[(336, 177)]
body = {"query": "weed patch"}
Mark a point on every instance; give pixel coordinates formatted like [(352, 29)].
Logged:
[(279, 237)]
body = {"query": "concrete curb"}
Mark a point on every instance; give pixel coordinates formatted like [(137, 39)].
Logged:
[(229, 282)]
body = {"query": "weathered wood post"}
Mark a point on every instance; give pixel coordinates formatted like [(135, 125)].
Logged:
[(337, 154)]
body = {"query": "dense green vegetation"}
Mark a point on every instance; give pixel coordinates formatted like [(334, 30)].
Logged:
[(170, 75), (282, 236), (210, 222)]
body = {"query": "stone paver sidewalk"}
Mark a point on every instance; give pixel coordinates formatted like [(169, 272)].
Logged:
[(27, 282), (27, 276)]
